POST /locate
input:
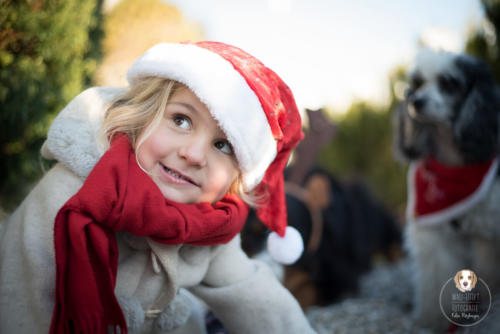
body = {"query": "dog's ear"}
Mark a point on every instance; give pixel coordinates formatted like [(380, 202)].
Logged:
[(476, 125), (457, 282), (474, 279)]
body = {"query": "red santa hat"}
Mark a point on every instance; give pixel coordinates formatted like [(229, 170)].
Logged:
[(255, 109)]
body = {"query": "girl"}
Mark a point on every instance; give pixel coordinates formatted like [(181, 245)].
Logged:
[(122, 225)]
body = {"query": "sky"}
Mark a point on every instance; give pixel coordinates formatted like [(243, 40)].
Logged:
[(333, 52)]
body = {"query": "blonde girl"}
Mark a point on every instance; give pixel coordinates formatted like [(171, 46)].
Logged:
[(121, 227)]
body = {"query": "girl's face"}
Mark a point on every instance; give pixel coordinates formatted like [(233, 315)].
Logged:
[(188, 155)]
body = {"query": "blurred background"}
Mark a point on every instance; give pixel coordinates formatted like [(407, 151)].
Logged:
[(347, 57)]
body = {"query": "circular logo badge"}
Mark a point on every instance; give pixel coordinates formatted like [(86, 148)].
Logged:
[(465, 299)]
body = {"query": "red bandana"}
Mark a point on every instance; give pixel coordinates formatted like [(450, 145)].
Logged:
[(437, 192), (118, 196)]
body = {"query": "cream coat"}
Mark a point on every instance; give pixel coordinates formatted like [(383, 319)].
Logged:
[(243, 293)]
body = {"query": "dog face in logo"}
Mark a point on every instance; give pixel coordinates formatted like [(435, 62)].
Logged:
[(465, 280)]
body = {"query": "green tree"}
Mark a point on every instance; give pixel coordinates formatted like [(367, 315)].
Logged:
[(132, 27), (48, 52), (363, 148), (483, 42)]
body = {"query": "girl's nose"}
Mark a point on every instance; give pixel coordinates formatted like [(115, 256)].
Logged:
[(194, 151)]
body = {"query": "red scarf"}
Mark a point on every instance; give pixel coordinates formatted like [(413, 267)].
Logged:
[(440, 191), (118, 196)]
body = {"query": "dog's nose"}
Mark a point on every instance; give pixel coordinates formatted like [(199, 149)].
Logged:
[(466, 283), (418, 103)]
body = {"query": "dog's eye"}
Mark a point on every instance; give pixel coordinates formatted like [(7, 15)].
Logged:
[(461, 277), (448, 84), (416, 82)]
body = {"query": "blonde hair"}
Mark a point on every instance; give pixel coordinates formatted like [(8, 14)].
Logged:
[(140, 109)]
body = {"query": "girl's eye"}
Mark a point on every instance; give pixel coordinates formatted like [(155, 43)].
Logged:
[(182, 122), (224, 146)]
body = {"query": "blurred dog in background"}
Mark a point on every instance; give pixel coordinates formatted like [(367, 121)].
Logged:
[(343, 230), (343, 226), (448, 128)]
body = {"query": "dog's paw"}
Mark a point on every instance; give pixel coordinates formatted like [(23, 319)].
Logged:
[(133, 313), (175, 314)]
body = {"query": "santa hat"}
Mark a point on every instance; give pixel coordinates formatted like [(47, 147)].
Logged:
[(255, 109)]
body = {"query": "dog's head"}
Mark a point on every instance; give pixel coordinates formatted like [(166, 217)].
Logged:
[(454, 96), (465, 280)]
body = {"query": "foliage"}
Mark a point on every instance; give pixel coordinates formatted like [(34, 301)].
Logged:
[(132, 27), (128, 19), (362, 150), (483, 42), (363, 146), (48, 51)]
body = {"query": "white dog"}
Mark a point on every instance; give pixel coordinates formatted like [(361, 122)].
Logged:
[(465, 280), (448, 128)]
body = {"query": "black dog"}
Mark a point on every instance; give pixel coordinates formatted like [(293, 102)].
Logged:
[(354, 227)]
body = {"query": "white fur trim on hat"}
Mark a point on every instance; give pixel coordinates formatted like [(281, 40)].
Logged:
[(232, 103), (286, 249)]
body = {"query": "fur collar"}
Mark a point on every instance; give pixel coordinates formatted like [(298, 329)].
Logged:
[(72, 137), (439, 193)]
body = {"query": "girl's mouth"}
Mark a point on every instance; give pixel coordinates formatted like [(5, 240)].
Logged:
[(176, 176)]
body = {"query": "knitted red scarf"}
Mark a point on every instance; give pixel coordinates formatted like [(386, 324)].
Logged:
[(118, 196)]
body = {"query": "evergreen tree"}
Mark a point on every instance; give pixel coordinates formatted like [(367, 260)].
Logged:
[(48, 52), (483, 43), (362, 149)]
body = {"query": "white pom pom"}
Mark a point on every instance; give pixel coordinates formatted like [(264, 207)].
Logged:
[(287, 249)]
